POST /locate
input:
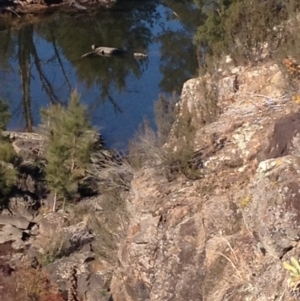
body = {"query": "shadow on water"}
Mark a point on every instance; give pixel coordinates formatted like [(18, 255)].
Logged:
[(41, 63)]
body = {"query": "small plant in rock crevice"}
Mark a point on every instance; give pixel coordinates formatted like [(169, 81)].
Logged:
[(146, 149), (56, 247), (293, 282)]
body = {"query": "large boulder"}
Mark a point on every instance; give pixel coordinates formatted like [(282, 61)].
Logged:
[(93, 276), (9, 233), (273, 212)]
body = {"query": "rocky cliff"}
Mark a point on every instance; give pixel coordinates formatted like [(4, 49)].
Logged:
[(224, 235), (218, 230)]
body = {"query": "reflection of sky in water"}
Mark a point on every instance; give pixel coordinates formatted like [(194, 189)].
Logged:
[(135, 102)]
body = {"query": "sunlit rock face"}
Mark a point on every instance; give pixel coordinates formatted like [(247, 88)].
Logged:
[(223, 236)]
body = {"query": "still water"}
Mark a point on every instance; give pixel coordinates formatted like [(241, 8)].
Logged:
[(41, 63)]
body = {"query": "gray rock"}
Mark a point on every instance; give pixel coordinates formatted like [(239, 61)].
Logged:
[(49, 223), (273, 213), (10, 233), (20, 222), (18, 245), (22, 206), (34, 230), (78, 235), (89, 282)]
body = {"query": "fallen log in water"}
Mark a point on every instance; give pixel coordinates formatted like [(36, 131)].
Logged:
[(111, 51), (105, 51)]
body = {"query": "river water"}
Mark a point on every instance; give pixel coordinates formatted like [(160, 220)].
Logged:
[(40, 63)]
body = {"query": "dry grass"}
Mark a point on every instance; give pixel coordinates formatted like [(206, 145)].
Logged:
[(242, 271), (28, 284), (115, 175), (55, 247), (106, 217), (165, 116), (144, 149), (234, 277)]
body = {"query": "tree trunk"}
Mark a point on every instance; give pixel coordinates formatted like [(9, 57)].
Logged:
[(54, 202)]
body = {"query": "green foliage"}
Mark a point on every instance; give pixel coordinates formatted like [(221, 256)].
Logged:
[(7, 152), (8, 177), (293, 267), (241, 27), (4, 115), (8, 174), (71, 140)]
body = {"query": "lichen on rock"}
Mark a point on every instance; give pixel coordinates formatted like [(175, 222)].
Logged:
[(220, 237)]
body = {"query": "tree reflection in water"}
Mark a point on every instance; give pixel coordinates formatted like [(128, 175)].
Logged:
[(47, 55), (178, 53)]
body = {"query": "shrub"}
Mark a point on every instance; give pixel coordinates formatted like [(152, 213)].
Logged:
[(144, 148), (70, 143), (8, 174), (242, 28), (293, 282), (56, 247), (112, 171), (28, 284)]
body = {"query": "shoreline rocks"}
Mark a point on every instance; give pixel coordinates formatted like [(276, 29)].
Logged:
[(18, 8)]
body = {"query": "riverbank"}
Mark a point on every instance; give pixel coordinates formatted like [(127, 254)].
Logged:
[(16, 9)]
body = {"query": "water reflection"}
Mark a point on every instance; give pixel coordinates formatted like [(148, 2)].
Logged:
[(24, 51), (178, 53), (44, 61)]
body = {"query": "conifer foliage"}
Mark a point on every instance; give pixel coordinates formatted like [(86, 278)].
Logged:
[(242, 28), (8, 174), (70, 144)]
